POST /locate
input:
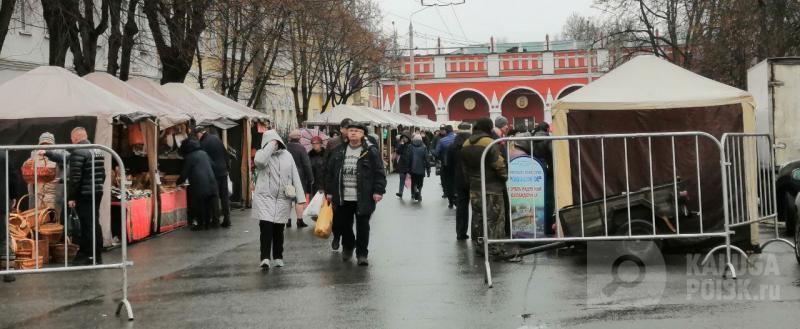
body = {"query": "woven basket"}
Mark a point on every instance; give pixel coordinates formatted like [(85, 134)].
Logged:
[(44, 214), (57, 252), (28, 263), (25, 249), (47, 170)]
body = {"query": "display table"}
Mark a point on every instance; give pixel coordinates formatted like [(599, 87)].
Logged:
[(173, 210), (139, 217)]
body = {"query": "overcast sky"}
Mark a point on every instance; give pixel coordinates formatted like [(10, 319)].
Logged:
[(476, 21)]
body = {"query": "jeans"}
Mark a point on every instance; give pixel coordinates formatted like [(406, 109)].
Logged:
[(271, 239), (402, 183), (343, 218), (223, 208), (416, 185)]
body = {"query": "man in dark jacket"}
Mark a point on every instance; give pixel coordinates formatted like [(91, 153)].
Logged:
[(460, 183), (447, 171), (354, 184), (418, 166), (333, 144), (495, 180), (215, 149), (203, 185), (402, 162), (87, 174), (303, 164)]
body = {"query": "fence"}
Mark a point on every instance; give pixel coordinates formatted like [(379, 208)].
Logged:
[(638, 192), (750, 176), (35, 229)]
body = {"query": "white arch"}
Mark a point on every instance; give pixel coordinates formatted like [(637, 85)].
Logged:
[(453, 94), (421, 93), (567, 87), (524, 88)]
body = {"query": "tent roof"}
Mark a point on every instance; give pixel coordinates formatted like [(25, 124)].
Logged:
[(197, 110), (648, 82), (188, 94), (168, 115), (248, 112), (357, 113), (50, 91)]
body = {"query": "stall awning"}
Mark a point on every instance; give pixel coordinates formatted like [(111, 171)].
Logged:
[(248, 112), (198, 110), (167, 115)]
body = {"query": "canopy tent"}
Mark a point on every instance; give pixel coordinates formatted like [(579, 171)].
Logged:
[(56, 100), (357, 113), (395, 118), (647, 95), (168, 115), (420, 121), (249, 113), (199, 111)]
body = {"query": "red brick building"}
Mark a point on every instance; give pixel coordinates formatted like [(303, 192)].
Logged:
[(519, 81)]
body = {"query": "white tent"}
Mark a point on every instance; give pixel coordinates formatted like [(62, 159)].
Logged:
[(193, 96), (395, 118), (356, 113), (168, 115), (54, 94), (201, 112), (250, 113), (649, 94)]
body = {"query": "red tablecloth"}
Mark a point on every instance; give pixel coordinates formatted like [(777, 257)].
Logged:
[(173, 210), (139, 214)]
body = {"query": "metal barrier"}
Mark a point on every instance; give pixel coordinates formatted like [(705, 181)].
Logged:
[(648, 211), (122, 264), (750, 176)]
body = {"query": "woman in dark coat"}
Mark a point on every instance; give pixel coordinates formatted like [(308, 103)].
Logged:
[(317, 157), (402, 162), (202, 184), (418, 165)]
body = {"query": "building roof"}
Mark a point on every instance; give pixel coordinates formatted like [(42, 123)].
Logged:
[(530, 46)]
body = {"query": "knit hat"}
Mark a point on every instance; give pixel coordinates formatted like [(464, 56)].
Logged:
[(316, 139), (500, 122), (464, 127), (47, 138)]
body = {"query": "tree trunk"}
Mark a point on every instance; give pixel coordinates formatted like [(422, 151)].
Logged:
[(199, 68), (130, 30), (115, 39), (6, 10), (54, 18)]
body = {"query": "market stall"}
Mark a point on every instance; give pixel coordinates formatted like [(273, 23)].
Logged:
[(646, 95), (52, 99), (138, 144)]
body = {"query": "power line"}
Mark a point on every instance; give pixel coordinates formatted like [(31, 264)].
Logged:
[(441, 18), (458, 21), (428, 26)]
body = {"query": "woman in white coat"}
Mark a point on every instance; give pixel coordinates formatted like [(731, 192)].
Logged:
[(277, 185)]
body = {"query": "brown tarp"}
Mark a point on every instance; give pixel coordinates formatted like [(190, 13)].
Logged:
[(714, 120)]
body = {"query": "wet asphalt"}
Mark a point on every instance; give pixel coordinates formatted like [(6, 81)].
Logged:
[(419, 277)]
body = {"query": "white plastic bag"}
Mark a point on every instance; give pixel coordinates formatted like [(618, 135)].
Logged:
[(230, 186), (312, 210)]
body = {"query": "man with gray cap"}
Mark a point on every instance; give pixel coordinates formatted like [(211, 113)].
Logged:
[(303, 163)]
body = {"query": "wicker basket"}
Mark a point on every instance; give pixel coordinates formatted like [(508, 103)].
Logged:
[(57, 252), (25, 249), (47, 170), (44, 214), (28, 263)]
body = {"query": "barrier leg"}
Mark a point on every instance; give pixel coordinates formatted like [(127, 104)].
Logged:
[(777, 240), (128, 309)]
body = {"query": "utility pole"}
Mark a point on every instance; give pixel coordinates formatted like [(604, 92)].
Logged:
[(413, 93)]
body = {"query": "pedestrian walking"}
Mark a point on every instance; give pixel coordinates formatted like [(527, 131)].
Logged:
[(303, 164), (354, 185), (495, 182), (317, 158), (333, 144), (203, 184), (402, 162), (278, 185), (448, 171), (216, 150), (460, 182), (418, 166), (85, 190)]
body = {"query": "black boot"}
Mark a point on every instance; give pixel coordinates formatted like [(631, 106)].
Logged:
[(301, 224), (289, 223)]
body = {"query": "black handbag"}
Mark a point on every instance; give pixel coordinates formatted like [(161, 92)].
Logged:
[(74, 225)]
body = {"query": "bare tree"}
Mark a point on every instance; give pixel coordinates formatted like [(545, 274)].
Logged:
[(55, 18), (306, 30), (176, 27), (83, 33), (129, 32)]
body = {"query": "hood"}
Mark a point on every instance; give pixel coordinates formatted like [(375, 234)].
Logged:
[(271, 135), (417, 142), (189, 146), (475, 137)]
